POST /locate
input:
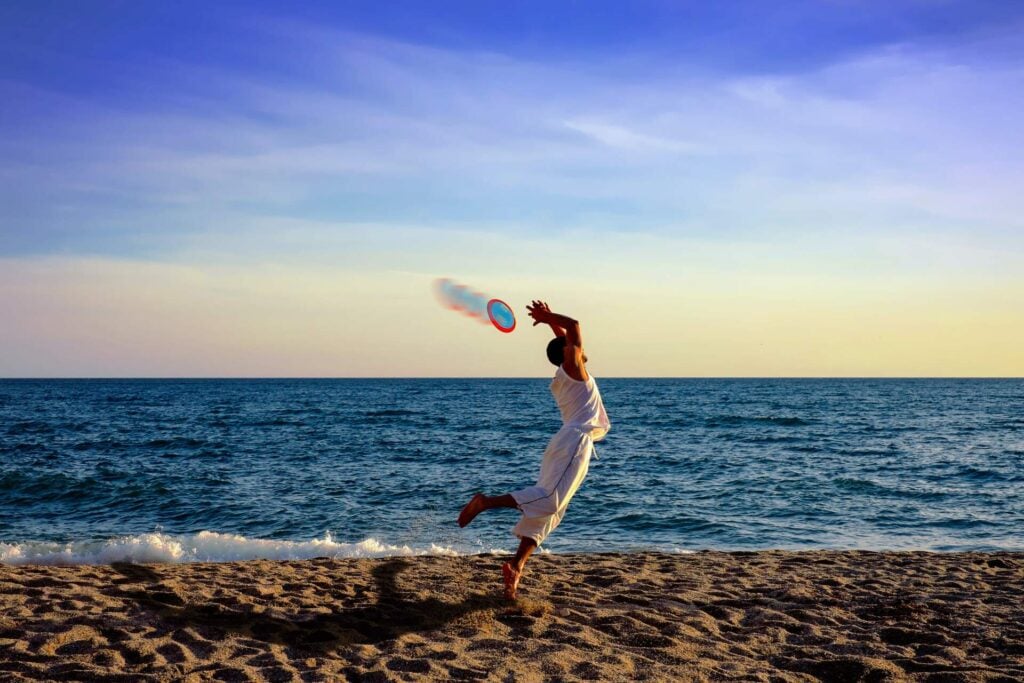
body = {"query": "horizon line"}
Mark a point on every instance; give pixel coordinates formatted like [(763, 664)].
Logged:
[(507, 377)]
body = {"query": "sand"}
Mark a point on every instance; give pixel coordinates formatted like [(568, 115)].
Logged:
[(765, 616)]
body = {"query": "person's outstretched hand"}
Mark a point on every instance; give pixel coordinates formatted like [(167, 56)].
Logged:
[(540, 312)]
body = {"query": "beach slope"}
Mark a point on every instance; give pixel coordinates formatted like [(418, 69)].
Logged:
[(760, 616)]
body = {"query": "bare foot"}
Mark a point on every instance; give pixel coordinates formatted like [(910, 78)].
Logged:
[(511, 578), (473, 508)]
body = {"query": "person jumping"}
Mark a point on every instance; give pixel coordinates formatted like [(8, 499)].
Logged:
[(567, 456)]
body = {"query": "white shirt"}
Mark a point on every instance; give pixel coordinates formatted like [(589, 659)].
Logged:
[(580, 404)]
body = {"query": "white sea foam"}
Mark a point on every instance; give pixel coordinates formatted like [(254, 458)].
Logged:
[(205, 546)]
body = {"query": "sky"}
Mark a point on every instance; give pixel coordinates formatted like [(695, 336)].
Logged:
[(827, 188)]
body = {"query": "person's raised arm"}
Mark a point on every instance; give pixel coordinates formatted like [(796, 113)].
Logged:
[(570, 328), (540, 308)]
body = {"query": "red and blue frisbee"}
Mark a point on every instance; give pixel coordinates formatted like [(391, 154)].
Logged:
[(501, 315)]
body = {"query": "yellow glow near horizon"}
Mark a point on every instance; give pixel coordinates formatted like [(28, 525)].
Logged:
[(80, 317)]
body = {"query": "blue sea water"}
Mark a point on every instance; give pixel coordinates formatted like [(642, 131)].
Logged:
[(178, 470)]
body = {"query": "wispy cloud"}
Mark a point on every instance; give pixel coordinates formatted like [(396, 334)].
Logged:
[(624, 138), (393, 161), (388, 131)]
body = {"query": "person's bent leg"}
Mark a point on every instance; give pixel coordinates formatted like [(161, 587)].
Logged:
[(503, 501), (512, 571), (526, 548), (479, 502)]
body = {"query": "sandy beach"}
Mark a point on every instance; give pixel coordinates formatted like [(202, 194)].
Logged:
[(764, 616)]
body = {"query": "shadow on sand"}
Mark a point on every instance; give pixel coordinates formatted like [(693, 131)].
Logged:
[(391, 616)]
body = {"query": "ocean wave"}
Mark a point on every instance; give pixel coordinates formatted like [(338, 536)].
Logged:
[(389, 412), (29, 427), (175, 442), (737, 420), (875, 488), (205, 546)]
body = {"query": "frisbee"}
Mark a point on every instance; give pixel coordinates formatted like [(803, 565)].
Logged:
[(501, 315)]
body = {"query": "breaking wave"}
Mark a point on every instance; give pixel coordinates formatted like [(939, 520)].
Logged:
[(205, 546)]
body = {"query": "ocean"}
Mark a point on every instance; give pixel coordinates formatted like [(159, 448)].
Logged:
[(198, 470)]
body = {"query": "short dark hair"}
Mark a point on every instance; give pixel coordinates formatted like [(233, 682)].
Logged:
[(556, 350)]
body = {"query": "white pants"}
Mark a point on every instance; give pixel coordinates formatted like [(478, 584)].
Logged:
[(565, 464)]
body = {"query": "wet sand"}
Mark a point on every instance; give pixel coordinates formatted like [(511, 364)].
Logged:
[(764, 616)]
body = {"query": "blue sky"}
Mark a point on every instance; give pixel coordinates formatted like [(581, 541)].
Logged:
[(106, 81), (848, 143)]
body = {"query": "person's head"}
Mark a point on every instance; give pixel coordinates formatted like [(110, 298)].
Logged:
[(556, 350)]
